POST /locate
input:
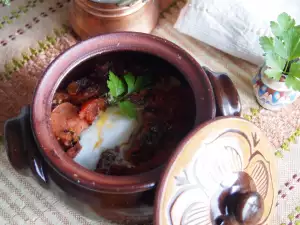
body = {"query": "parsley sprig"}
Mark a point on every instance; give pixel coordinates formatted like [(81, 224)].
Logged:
[(282, 51), (120, 89)]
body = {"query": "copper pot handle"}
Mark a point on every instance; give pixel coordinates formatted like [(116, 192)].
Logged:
[(226, 95), (21, 148)]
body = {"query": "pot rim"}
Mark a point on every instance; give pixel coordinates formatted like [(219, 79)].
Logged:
[(65, 62)]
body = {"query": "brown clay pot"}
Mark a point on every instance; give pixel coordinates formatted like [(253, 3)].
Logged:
[(89, 18), (30, 142)]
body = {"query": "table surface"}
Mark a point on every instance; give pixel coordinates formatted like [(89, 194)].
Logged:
[(32, 34)]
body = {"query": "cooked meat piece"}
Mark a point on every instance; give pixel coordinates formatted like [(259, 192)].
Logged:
[(65, 120)]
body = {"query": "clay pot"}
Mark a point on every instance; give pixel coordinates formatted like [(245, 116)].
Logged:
[(30, 142), (271, 94), (89, 18)]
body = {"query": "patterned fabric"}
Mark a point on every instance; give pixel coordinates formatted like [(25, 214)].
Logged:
[(32, 35)]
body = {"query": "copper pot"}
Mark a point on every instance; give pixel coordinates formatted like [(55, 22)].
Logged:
[(30, 141), (89, 18)]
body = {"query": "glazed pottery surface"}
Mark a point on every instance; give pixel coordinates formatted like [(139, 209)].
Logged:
[(125, 199), (271, 94), (221, 168)]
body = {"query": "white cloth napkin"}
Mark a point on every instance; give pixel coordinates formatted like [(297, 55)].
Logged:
[(234, 26)]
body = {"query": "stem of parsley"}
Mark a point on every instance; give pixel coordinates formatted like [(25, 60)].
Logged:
[(286, 68), (115, 100)]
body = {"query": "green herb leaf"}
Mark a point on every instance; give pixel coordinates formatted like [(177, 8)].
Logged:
[(143, 81), (282, 52), (275, 61), (275, 29), (293, 82), (118, 93), (115, 85), (285, 22), (295, 70), (280, 48), (273, 73), (135, 84), (292, 43), (130, 81), (266, 43), (128, 109)]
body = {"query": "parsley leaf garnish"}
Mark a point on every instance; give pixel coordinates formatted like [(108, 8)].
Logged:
[(130, 81), (128, 108), (135, 84), (142, 82), (119, 91), (115, 85)]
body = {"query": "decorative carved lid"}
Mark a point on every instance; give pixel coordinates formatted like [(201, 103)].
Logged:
[(222, 173)]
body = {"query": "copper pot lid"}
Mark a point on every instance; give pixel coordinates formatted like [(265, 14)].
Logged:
[(222, 173)]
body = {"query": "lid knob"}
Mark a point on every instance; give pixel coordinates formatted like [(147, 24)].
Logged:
[(239, 204), (249, 208), (245, 208)]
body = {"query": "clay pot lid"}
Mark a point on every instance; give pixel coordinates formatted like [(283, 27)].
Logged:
[(222, 173)]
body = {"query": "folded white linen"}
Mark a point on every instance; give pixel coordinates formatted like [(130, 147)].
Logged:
[(234, 26)]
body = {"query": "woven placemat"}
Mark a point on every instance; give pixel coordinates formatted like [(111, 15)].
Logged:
[(34, 32)]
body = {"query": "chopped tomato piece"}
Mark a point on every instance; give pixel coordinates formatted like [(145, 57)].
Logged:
[(90, 110)]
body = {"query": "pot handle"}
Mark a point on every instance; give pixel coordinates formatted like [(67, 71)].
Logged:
[(21, 148), (226, 95)]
